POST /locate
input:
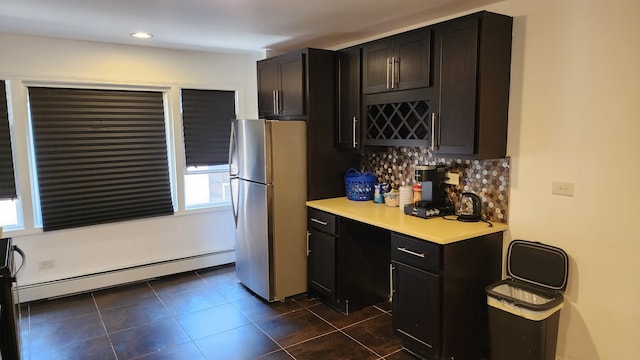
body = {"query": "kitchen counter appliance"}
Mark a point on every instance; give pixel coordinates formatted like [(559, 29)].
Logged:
[(432, 179), (469, 207), (429, 211), (267, 160)]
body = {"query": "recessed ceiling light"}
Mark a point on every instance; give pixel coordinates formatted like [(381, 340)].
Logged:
[(141, 35)]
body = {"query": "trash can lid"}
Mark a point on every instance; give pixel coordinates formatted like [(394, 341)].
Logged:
[(538, 264)]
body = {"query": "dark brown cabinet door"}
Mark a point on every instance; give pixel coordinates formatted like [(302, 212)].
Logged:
[(457, 51), (291, 96), (322, 263), (412, 59), (416, 309), (281, 86), (472, 76), (376, 67), (268, 83), (399, 62), (349, 120)]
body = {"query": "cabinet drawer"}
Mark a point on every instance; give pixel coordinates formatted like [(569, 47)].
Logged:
[(417, 253), (322, 221)]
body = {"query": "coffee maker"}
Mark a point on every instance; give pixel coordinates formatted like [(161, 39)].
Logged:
[(432, 178)]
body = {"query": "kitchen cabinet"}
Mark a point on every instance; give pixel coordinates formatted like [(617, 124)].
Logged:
[(399, 119), (348, 261), (439, 303), (398, 62), (472, 75), (349, 99), (453, 98), (310, 73), (281, 85), (321, 253)]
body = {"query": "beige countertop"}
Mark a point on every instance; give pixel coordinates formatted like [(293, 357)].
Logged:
[(437, 230)]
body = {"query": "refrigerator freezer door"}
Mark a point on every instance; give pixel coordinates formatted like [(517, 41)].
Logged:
[(253, 240), (253, 150)]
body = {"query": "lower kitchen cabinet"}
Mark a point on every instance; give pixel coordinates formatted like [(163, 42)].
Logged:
[(348, 261), (322, 263), (416, 308), (439, 302)]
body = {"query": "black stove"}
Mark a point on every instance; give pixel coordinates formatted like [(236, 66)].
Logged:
[(9, 309)]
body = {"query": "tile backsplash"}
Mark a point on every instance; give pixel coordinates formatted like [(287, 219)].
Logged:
[(489, 179)]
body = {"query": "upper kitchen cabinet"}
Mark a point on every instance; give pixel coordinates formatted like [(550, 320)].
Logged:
[(472, 74), (402, 118), (281, 90), (305, 89), (349, 99), (398, 62)]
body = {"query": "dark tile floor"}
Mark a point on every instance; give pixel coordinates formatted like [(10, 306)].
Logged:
[(204, 314)]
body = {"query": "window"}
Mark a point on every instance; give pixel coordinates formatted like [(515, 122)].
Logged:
[(206, 185), (101, 155), (206, 121), (8, 195), (9, 214), (7, 180)]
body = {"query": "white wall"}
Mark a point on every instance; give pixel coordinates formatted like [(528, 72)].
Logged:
[(575, 90), (113, 246), (574, 116)]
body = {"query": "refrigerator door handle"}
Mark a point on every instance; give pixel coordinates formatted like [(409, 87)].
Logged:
[(233, 170), (233, 188), (233, 149)]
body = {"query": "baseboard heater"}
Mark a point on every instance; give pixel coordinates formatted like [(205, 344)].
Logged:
[(110, 278)]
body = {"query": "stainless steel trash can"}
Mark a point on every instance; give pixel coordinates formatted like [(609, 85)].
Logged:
[(524, 309)]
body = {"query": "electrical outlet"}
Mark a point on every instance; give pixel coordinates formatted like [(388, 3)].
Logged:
[(454, 178), (46, 264), (563, 188)]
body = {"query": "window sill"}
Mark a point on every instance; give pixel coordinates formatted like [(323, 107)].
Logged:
[(204, 209)]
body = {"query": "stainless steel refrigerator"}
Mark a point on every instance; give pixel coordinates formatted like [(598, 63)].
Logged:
[(267, 161)]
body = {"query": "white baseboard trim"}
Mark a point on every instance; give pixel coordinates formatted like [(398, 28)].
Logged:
[(84, 283)]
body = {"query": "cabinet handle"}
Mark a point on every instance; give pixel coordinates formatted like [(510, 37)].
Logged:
[(388, 68), (439, 132), (323, 223), (275, 106), (308, 250), (410, 252), (433, 131), (355, 137), (395, 72), (393, 290)]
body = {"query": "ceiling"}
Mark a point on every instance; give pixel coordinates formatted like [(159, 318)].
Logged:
[(223, 25)]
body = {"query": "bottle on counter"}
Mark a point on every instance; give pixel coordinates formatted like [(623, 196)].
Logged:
[(417, 192), (378, 196)]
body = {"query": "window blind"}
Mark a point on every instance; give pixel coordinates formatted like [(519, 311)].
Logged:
[(101, 155), (7, 180), (206, 123)]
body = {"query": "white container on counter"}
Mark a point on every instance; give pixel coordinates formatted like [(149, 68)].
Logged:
[(406, 197)]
